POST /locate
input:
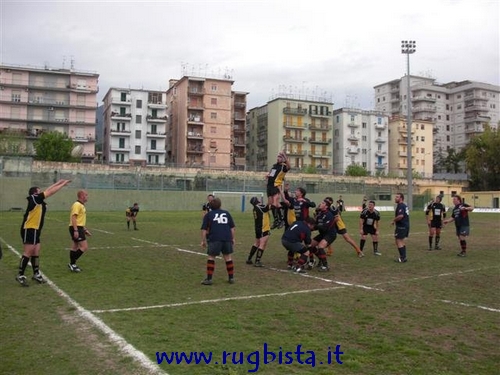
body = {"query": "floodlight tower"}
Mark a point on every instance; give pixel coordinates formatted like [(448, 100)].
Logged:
[(408, 47)]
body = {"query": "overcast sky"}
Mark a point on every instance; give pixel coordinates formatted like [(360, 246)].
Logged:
[(338, 50)]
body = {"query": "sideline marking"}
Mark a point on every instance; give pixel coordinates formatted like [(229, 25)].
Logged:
[(100, 230), (238, 298), (112, 336), (469, 305)]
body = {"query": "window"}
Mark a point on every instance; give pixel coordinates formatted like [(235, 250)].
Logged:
[(447, 138), (122, 111), (447, 117), (138, 103), (213, 115), (153, 129), (213, 130), (153, 144), (138, 134), (447, 128), (363, 125), (363, 138), (123, 96), (213, 101), (447, 107), (120, 158), (137, 149), (121, 142), (214, 87), (459, 106), (138, 119)]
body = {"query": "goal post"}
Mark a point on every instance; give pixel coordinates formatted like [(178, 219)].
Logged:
[(232, 200)]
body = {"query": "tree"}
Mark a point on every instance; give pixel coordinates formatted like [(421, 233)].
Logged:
[(453, 160), (483, 163), (53, 146), (356, 170)]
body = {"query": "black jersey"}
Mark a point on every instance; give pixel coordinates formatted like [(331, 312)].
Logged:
[(436, 211), (369, 217)]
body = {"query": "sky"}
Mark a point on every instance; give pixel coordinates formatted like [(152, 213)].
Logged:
[(329, 49)]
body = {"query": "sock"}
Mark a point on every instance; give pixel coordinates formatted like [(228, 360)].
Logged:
[(135, 225), (400, 249), (35, 263), (274, 210), (402, 252), (210, 268), (321, 254), (230, 269), (437, 240), (290, 258), (463, 245), (74, 255), (430, 241), (252, 252), (128, 224), (302, 260), (259, 255), (362, 244), (375, 246), (23, 263)]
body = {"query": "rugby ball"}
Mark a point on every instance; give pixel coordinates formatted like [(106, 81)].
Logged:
[(77, 151)]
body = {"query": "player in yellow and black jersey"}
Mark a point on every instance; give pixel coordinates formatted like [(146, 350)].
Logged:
[(262, 220), (435, 213), (31, 229)]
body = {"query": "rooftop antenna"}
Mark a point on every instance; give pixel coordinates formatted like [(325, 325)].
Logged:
[(72, 63), (64, 62)]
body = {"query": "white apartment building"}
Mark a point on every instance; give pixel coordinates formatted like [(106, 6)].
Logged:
[(35, 100), (361, 138), (458, 110), (135, 127), (303, 128)]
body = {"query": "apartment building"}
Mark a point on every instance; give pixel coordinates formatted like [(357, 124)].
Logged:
[(360, 138), (35, 100), (135, 127), (458, 110), (302, 128), (421, 147), (206, 123)]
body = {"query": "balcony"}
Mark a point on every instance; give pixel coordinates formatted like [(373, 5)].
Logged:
[(380, 140), (238, 104), (322, 155), (352, 138), (122, 132), (380, 165), (475, 108), (295, 111), (157, 105), (320, 127), (194, 135), (404, 129), (353, 125), (292, 125), (120, 101), (381, 153), (423, 99), (320, 114), (195, 120), (82, 139), (289, 138), (353, 150), (156, 135), (158, 119), (380, 126), (296, 152), (119, 149), (472, 119), (239, 129), (322, 141), (155, 151), (121, 116)]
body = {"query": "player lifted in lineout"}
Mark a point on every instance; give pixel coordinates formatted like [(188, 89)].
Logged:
[(275, 193)]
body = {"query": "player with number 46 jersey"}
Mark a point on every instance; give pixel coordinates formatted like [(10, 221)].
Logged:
[(217, 235)]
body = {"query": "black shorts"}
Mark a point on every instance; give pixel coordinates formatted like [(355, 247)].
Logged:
[(81, 234), (368, 229), (30, 236), (401, 233), (215, 248), (260, 234), (272, 191), (328, 237), (294, 247), (436, 224)]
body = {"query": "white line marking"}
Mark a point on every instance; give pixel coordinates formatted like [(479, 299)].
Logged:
[(238, 298), (469, 305), (326, 280), (115, 338), (100, 230)]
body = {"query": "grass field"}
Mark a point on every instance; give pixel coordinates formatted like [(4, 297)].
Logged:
[(140, 293)]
